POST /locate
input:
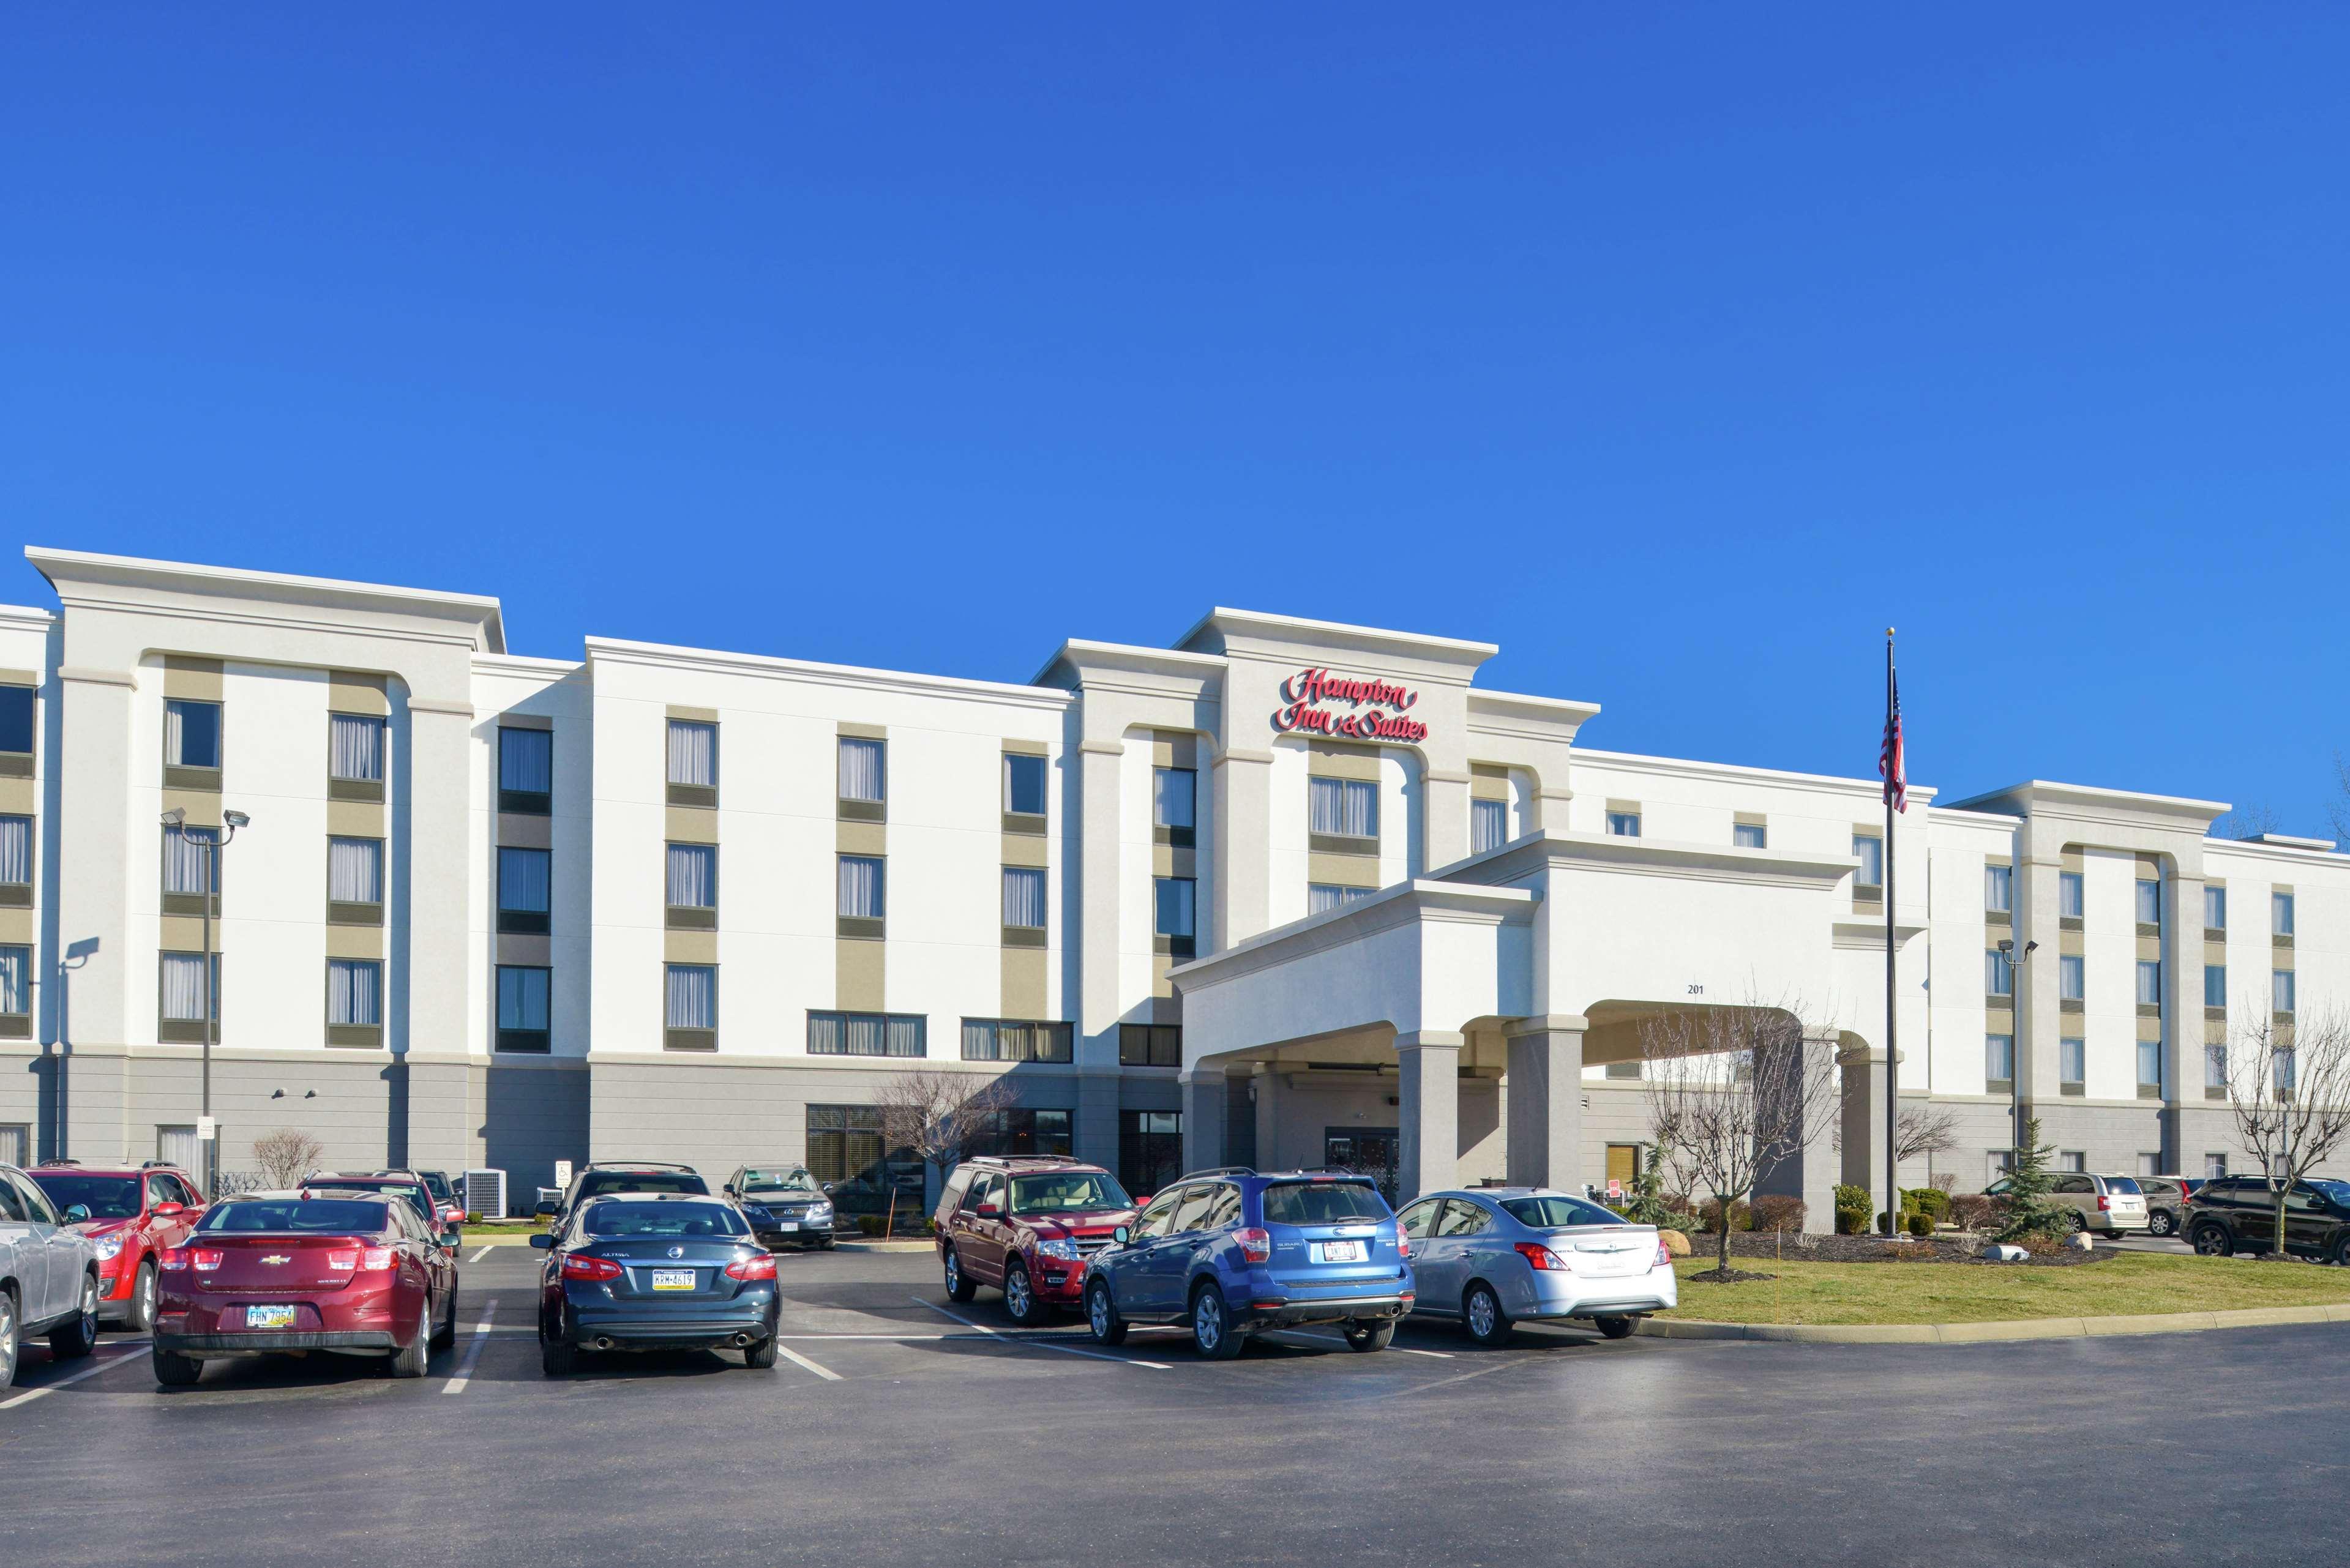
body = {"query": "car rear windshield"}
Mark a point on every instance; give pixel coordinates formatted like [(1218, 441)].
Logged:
[(773, 1182), (2125, 1185), (322, 1216), (412, 1192), (641, 1181), (1322, 1203), (106, 1197), (618, 1216), (1060, 1193), (1548, 1213), (437, 1185)]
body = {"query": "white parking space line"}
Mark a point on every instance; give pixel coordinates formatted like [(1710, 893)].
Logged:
[(483, 1253), (1039, 1344), (1334, 1339), (108, 1364), (796, 1359), (472, 1353)]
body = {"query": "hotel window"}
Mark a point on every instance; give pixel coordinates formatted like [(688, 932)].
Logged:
[(692, 762), (15, 993), (1869, 850), (2073, 1063), (1024, 902), (1749, 836), (2071, 894), (690, 1007), (2215, 1166), (354, 1001), (2071, 1160), (2215, 985), (2149, 1066), (1999, 1060), (2072, 977), (1174, 804), (2285, 1073), (2001, 1162), (690, 884), (845, 1154), (2215, 1072), (1150, 1045), (182, 1010), (15, 861), (1009, 1134), (1999, 977), (355, 753), (2150, 1164), (867, 1034), (1017, 1040), (524, 879), (1342, 808), (355, 881), (1024, 784), (188, 860), (526, 772), (1321, 897), (1175, 915), (862, 887), (1149, 1150), (1624, 823), (2281, 914), (2215, 909), (864, 768), (2281, 989), (191, 737), (522, 998), (16, 709), (1999, 889), (15, 1144), (2149, 982), (1489, 824), (2149, 903), (178, 1146)]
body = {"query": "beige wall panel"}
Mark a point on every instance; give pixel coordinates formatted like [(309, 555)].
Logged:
[(1330, 761), (19, 797), (691, 824), (693, 716), (203, 806), (1343, 870), (1025, 991), (863, 837), (1027, 849), (689, 947), (199, 679), (349, 692), (863, 731), (859, 976), (349, 942), (16, 927), (359, 819)]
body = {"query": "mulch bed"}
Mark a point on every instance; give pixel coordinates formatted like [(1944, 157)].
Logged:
[(1728, 1277)]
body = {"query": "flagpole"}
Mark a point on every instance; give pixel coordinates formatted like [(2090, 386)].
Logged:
[(1893, 766)]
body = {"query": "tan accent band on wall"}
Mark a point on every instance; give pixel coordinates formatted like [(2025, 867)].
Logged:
[(347, 942), (1162, 751), (2007, 860), (2215, 953), (1326, 761), (1023, 976), (688, 824), (689, 947), (1026, 748), (2215, 881), (348, 691), (861, 837), (531, 950), (693, 716), (1749, 819), (2071, 943), (365, 819), (199, 680), (1160, 986), (1999, 1021), (2149, 949), (525, 721), (1162, 861), (521, 830), (185, 934), (19, 677), (1343, 870), (2149, 866), (203, 806), (1182, 748), (1485, 786), (2150, 1028), (1868, 830), (16, 927), (1026, 851), (862, 731), (19, 797), (2073, 858), (857, 976)]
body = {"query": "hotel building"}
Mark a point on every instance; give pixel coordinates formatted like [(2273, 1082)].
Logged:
[(1286, 893)]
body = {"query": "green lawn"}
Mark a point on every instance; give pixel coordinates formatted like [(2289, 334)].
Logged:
[(517, 1234), (2126, 1285)]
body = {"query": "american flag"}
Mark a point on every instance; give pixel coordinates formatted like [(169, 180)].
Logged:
[(1890, 764)]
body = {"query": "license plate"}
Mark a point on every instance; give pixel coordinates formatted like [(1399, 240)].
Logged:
[(269, 1317), (787, 1224), (1339, 1252), (673, 1279)]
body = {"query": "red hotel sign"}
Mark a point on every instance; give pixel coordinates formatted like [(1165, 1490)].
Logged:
[(1378, 708)]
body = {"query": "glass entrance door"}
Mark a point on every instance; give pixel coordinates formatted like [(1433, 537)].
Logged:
[(1363, 1151)]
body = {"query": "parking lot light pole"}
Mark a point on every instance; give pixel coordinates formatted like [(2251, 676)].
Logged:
[(214, 843), (2015, 961)]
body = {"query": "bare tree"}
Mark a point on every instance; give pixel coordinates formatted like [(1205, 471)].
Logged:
[(2249, 821), (1734, 1091), (286, 1156), (939, 1115), (2338, 813), (2289, 1091), (1923, 1131)]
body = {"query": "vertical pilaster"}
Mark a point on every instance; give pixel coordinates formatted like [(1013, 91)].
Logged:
[(1543, 1141), (1428, 1133), (1100, 765), (1811, 1172), (431, 830), (1244, 885), (2039, 1014), (1205, 1094), (2182, 1006), (1448, 817), (97, 832), (1863, 1115)]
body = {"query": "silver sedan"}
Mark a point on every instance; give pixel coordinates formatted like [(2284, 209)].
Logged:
[(1491, 1256)]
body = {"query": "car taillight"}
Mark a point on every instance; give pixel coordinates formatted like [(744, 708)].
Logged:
[(206, 1259), (2104, 1203), (762, 1267), (578, 1268), (1664, 1256), (362, 1260), (171, 1260), (1255, 1245), (1403, 1244), (1542, 1257)]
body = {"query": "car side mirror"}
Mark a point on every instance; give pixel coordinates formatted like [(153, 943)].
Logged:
[(987, 1212), (451, 1238), (76, 1214), (542, 1241), (827, 1190), (1121, 1235), (545, 1211), (165, 1211)]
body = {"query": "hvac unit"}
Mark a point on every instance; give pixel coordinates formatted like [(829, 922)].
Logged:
[(485, 1193)]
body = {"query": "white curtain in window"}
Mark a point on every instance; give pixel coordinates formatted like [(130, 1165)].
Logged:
[(1998, 979), (1173, 793), (2281, 989), (178, 1146), (2150, 982), (354, 991), (183, 986), (522, 998), (1489, 824), (354, 870), (16, 850), (354, 746), (868, 1034), (1871, 852), (1345, 806), (15, 980), (2073, 1065), (860, 769), (1321, 897), (692, 996), (692, 753), (860, 887), (2150, 1061), (527, 761), (1023, 897), (902, 1035), (523, 879), (694, 876), (2215, 908), (185, 853)]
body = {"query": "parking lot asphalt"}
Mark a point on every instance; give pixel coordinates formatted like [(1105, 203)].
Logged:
[(903, 1429)]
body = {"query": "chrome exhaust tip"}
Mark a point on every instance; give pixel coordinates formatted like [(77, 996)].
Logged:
[(742, 1341), (603, 1344)]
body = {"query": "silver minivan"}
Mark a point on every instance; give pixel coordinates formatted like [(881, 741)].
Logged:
[(2108, 1204)]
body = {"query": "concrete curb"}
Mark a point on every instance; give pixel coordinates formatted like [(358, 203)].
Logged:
[(1982, 1332), (883, 1246)]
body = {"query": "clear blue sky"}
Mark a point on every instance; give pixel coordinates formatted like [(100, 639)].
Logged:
[(1678, 351)]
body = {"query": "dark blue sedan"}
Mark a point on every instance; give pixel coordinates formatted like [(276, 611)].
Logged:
[(655, 1271)]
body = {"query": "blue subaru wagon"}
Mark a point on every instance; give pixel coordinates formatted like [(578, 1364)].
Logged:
[(1232, 1250)]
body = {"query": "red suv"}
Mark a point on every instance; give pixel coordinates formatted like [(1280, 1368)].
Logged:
[(135, 1213), (1027, 1226)]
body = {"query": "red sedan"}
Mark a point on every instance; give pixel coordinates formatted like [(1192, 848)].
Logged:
[(135, 1213), (275, 1273)]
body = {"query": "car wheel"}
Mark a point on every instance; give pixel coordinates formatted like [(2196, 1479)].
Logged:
[(7, 1339), (174, 1370), (1370, 1336), (142, 1301), (1614, 1327), (760, 1355), (446, 1334), (2341, 1255), (1212, 1325), (1101, 1316), (1481, 1310), (2079, 1222), (558, 1358), (958, 1285), (1020, 1297), (410, 1359), (2160, 1224), (2213, 1242), (78, 1335)]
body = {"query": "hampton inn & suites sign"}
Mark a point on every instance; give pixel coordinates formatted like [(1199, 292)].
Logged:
[(1375, 710)]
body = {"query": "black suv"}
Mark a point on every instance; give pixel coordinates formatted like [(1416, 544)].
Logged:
[(623, 1175), (2238, 1214)]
